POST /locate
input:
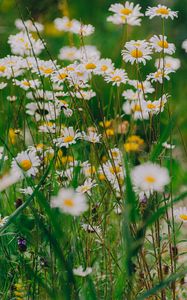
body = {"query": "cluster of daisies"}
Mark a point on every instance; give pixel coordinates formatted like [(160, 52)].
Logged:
[(57, 93)]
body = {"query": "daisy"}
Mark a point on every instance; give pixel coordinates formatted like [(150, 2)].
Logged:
[(3, 220), (23, 43), (88, 169), (144, 87), (27, 84), (26, 163), (137, 109), (29, 25), (137, 51), (9, 179), (104, 66), (156, 106), (159, 75), (86, 187), (168, 146), (184, 45), (68, 137), (47, 127), (91, 137), (116, 77), (126, 12), (44, 68), (69, 53), (181, 214), (130, 95), (161, 11), (121, 19), (88, 52), (43, 110), (82, 273), (70, 202), (160, 44), (169, 63), (150, 177), (116, 155), (86, 95), (67, 25), (84, 30)]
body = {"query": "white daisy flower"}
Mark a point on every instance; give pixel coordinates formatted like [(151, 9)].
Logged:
[(47, 127), (27, 84), (9, 179), (24, 44), (116, 77), (84, 30), (43, 110), (69, 53), (28, 25), (121, 19), (160, 44), (67, 25), (159, 75), (81, 272), (86, 95), (161, 11), (150, 177), (88, 52), (168, 146), (26, 163), (130, 95), (157, 106), (68, 137), (86, 186), (144, 87), (70, 202), (137, 51), (169, 63), (184, 45), (3, 220), (181, 214), (91, 136), (104, 66), (137, 109)]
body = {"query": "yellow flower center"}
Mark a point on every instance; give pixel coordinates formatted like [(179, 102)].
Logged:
[(163, 44), (150, 179), (26, 83), (158, 74), (90, 66), (151, 106), (69, 24), (116, 78), (115, 169), (183, 217), (2, 68), (137, 107), (62, 76), (126, 11), (68, 139), (46, 70), (136, 53), (69, 202), (104, 68), (25, 164), (162, 11)]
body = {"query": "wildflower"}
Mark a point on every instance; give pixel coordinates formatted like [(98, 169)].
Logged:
[(160, 75), (43, 110), (86, 95), (84, 30), (125, 14), (69, 53), (181, 214), (82, 273), (68, 137), (137, 51), (26, 163), (86, 187), (144, 87), (133, 144), (29, 25), (137, 109), (67, 25), (27, 84), (24, 44), (160, 44), (3, 220), (150, 177), (91, 137), (47, 127), (184, 45), (9, 179), (168, 146), (116, 77), (168, 62), (161, 11), (104, 66), (70, 202)]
